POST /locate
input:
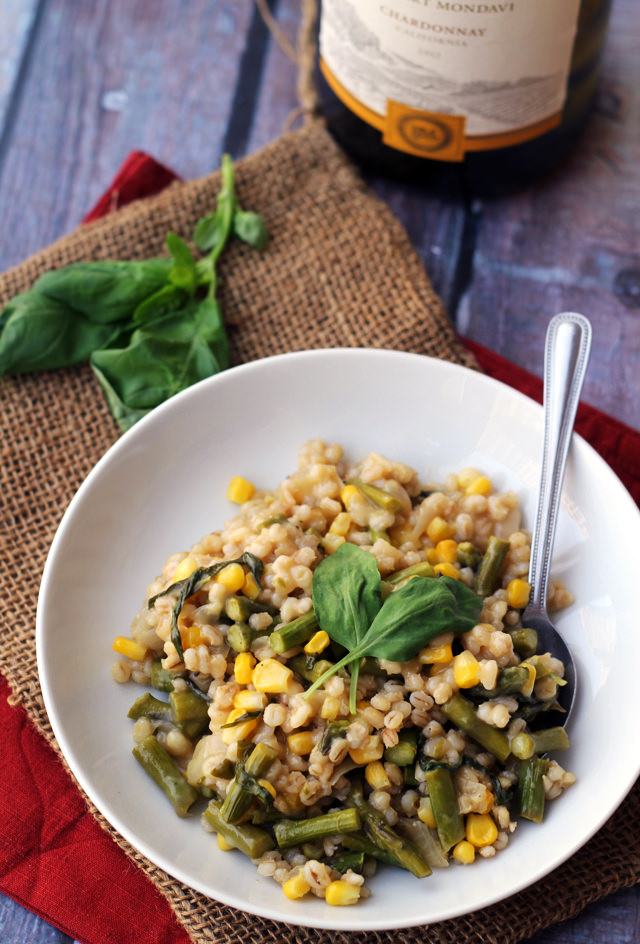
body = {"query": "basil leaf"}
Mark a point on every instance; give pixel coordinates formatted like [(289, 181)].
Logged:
[(161, 359), (212, 329), (418, 612), (104, 292), (183, 270), (163, 302), (408, 619), (40, 333), (208, 231), (346, 590), (250, 228)]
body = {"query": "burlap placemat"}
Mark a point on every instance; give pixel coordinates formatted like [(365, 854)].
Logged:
[(339, 271)]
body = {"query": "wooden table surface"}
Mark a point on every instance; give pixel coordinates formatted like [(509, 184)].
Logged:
[(84, 82)]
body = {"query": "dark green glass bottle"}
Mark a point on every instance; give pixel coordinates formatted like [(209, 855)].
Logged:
[(409, 118)]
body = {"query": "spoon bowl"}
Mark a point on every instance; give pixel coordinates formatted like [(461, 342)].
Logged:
[(567, 347)]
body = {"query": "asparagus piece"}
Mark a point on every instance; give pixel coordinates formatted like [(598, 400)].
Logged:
[(525, 641), (461, 712), (344, 861), (444, 803), (187, 706), (309, 667), (293, 832), (378, 496), (510, 680), (162, 679), (239, 637), (250, 839), (148, 706), (490, 566), (422, 569), (296, 633), (164, 771), (531, 794), (239, 798), (468, 555), (527, 743), (390, 846), (404, 752)]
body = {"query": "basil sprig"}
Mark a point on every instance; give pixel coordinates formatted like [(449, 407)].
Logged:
[(190, 585), (347, 601), (148, 328)]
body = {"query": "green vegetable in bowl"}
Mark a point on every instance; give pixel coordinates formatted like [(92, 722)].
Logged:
[(347, 601), (148, 328)]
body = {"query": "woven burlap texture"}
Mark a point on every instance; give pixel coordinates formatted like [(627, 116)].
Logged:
[(339, 271)]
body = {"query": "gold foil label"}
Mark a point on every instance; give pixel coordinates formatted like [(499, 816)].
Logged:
[(424, 133)]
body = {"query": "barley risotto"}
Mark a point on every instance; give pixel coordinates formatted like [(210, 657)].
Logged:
[(343, 678)]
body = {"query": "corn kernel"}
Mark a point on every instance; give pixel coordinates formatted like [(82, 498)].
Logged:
[(269, 787), (223, 844), (466, 669), (439, 530), (447, 570), (341, 524), (296, 886), (301, 743), (240, 490), (318, 643), (191, 636), (341, 893), (481, 829), (479, 486), (446, 551), (425, 813), (467, 476), (432, 555), (250, 587), (348, 493), (518, 593), (331, 542), (238, 732), (184, 569), (371, 750), (247, 698), (464, 852), (232, 577), (129, 648), (330, 708), (272, 676), (376, 776), (431, 655)]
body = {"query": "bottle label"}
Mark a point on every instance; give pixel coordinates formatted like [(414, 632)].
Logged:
[(439, 78)]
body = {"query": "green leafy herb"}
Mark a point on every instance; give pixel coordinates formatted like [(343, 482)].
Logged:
[(183, 270), (347, 597), (247, 716), (148, 328), (189, 585), (347, 604), (250, 228)]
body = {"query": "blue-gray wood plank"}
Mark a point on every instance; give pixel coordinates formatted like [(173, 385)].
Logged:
[(83, 83)]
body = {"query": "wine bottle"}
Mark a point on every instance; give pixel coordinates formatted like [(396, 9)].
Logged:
[(480, 94)]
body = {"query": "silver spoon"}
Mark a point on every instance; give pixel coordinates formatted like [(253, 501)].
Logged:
[(566, 355)]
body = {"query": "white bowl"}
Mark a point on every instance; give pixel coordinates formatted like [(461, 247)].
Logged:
[(162, 486)]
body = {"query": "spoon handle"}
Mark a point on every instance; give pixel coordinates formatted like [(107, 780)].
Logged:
[(566, 355)]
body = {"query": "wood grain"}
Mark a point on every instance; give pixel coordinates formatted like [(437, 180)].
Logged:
[(573, 243)]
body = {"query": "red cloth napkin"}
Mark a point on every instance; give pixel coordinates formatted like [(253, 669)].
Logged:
[(54, 857)]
